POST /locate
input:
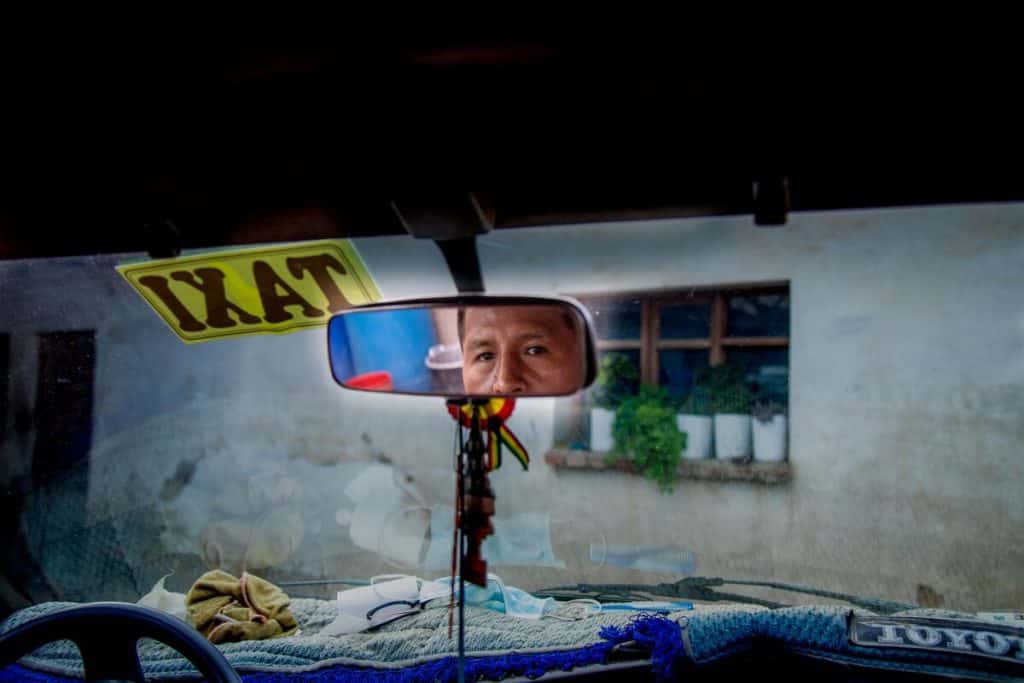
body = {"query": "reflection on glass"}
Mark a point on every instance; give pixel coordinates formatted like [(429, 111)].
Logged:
[(617, 319), (687, 321), (677, 369), (762, 315), (765, 370), (477, 350)]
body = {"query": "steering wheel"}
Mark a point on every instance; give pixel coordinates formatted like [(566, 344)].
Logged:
[(106, 634)]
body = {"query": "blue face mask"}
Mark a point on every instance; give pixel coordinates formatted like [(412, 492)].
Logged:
[(508, 600)]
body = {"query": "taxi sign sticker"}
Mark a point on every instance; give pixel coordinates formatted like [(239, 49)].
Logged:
[(263, 290)]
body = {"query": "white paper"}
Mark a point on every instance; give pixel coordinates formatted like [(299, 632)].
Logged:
[(353, 604), (164, 600)]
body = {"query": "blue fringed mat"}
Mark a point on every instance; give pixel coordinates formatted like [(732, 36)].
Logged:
[(418, 648)]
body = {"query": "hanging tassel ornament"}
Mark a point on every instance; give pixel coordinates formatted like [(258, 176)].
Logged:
[(493, 414)]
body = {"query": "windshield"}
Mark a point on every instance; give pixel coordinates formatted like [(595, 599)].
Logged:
[(834, 404)]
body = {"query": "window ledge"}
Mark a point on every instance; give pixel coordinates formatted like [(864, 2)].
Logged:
[(701, 470)]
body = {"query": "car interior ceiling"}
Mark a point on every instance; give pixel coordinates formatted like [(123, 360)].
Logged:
[(113, 154)]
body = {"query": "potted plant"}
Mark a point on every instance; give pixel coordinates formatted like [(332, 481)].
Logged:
[(695, 420), (769, 430), (730, 400), (645, 431), (616, 380)]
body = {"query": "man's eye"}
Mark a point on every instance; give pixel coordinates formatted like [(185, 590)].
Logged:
[(536, 350), (484, 357)]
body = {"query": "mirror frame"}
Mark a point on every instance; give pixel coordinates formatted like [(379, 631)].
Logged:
[(428, 303)]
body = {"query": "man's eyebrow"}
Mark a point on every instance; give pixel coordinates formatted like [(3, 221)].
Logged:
[(477, 340)]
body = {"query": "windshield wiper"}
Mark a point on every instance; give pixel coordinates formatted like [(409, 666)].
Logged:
[(702, 588)]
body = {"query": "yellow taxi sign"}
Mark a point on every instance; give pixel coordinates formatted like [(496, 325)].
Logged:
[(261, 290)]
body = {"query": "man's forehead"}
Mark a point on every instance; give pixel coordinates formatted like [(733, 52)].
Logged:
[(544, 316)]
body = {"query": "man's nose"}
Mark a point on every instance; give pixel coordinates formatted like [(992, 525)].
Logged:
[(508, 379)]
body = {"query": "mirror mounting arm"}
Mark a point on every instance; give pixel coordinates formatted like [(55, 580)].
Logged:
[(463, 263), (452, 219)]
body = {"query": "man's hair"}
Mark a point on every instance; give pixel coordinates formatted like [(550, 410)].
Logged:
[(461, 322)]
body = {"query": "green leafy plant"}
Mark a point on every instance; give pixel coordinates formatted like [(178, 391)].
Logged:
[(616, 381), (645, 428), (698, 402), (727, 390)]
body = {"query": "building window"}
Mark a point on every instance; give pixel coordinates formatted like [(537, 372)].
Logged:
[(670, 335)]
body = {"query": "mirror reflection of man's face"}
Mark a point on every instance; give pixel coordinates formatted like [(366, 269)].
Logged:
[(521, 350)]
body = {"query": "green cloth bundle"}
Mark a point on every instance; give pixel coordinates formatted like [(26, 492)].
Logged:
[(226, 609)]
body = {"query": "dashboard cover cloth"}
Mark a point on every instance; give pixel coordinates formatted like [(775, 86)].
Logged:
[(418, 647)]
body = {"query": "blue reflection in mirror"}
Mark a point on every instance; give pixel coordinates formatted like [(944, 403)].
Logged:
[(382, 350)]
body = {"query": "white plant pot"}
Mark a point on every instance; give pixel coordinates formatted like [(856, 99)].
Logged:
[(601, 421), (699, 435), (770, 439), (732, 436)]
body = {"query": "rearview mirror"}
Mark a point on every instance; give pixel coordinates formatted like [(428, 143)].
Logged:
[(466, 346)]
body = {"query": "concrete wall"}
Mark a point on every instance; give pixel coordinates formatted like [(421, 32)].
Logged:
[(906, 389)]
